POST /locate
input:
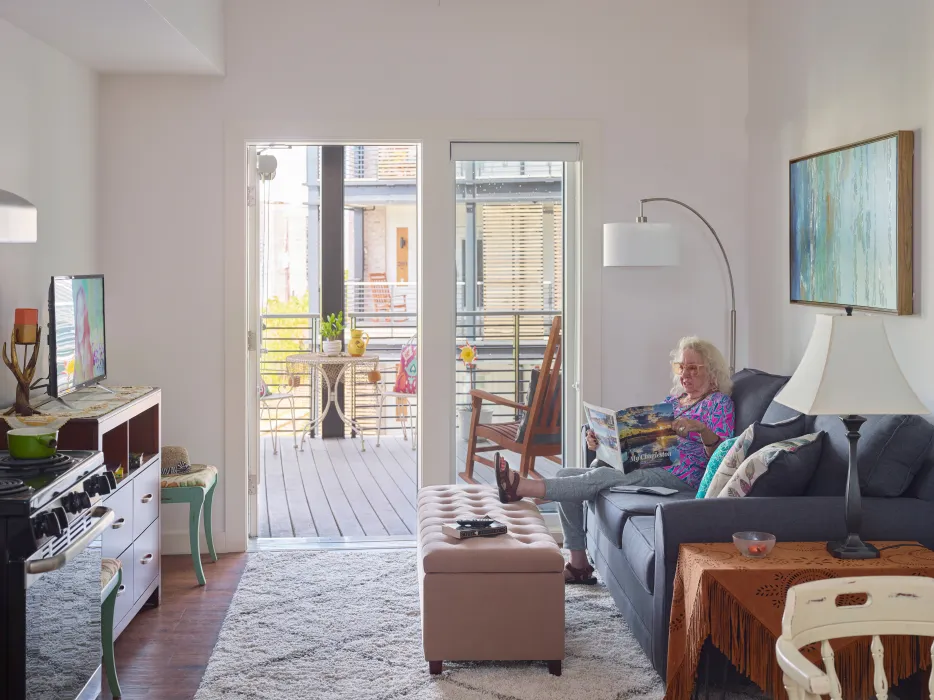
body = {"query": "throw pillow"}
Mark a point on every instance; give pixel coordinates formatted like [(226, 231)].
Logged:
[(713, 464), (768, 433), (735, 456), (780, 469), (407, 376)]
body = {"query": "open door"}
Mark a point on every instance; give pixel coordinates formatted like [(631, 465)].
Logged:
[(253, 337)]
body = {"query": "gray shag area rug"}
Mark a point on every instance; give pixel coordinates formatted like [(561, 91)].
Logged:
[(345, 625)]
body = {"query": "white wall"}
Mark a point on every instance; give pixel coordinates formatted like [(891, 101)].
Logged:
[(666, 78), (48, 127), (823, 75)]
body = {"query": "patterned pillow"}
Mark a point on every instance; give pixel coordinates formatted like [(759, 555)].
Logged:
[(731, 461), (407, 376), (713, 464), (798, 457)]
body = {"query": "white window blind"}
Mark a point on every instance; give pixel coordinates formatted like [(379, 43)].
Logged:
[(512, 151)]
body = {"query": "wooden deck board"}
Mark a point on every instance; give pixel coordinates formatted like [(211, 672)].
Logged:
[(341, 508), (325, 523), (373, 490), (342, 492), (280, 524), (303, 525), (366, 516), (398, 499)]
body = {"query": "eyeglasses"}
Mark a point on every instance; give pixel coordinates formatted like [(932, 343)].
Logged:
[(680, 368)]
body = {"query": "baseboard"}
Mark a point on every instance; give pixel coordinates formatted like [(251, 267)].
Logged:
[(178, 543), (553, 523)]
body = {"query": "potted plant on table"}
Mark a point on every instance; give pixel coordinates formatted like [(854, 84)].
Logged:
[(332, 330)]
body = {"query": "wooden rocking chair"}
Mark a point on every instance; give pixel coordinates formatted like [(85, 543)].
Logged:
[(542, 436)]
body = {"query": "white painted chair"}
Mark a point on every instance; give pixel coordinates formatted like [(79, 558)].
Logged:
[(897, 605), (269, 404), (407, 401)]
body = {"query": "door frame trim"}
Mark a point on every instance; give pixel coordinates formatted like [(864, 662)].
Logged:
[(436, 311)]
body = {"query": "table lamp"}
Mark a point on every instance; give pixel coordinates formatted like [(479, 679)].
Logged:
[(841, 349)]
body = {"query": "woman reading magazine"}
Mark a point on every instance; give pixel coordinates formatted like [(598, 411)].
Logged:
[(703, 414)]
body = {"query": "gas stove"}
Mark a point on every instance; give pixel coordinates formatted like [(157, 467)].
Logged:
[(52, 516)]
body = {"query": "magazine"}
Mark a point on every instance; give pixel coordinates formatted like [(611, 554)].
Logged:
[(636, 437)]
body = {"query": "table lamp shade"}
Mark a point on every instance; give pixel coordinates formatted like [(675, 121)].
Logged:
[(848, 368), (639, 245)]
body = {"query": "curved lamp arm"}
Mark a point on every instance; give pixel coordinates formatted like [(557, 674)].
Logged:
[(729, 270)]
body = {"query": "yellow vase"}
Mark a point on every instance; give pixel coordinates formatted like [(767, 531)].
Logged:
[(357, 345)]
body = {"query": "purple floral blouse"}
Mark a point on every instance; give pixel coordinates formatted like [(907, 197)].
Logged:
[(716, 411)]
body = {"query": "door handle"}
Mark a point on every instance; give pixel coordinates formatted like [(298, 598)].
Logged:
[(118, 523), (105, 517), (146, 559), (122, 589), (146, 499)]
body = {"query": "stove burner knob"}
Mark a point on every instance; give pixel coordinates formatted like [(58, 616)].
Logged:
[(97, 485), (111, 480), (38, 527), (52, 526), (62, 518), (84, 500), (71, 503)]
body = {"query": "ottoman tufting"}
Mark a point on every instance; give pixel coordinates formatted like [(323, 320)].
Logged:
[(488, 598)]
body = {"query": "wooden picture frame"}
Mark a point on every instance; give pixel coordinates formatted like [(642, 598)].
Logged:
[(851, 225)]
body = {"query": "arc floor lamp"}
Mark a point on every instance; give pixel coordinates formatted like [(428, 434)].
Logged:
[(642, 244)]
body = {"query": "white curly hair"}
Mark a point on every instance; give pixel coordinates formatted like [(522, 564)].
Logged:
[(717, 368)]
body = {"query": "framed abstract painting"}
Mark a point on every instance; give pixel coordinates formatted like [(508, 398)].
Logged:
[(851, 225)]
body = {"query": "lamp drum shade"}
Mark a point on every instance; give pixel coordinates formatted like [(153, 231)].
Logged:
[(639, 245), (848, 368)]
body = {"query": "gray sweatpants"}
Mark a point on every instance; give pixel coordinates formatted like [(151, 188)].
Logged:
[(571, 487)]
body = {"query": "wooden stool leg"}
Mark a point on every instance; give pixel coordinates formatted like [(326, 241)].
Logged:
[(434, 667), (208, 532), (194, 528), (107, 637), (554, 668)]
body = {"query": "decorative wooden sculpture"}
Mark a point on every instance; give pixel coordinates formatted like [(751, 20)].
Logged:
[(26, 332)]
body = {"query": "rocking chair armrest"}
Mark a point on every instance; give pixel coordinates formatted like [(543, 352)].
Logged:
[(493, 398), (801, 671)]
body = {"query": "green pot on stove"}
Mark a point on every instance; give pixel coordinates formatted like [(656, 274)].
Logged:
[(32, 443)]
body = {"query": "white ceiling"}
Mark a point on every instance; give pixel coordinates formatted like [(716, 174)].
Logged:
[(128, 36)]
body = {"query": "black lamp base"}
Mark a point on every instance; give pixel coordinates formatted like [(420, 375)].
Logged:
[(852, 548)]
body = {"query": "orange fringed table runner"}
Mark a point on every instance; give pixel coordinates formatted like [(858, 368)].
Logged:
[(738, 602)]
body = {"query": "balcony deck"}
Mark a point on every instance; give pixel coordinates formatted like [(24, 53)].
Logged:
[(333, 490)]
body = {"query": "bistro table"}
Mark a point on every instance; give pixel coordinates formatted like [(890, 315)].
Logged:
[(332, 369)]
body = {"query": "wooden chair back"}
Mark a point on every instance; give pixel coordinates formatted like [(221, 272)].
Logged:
[(545, 406), (822, 611), (380, 294)]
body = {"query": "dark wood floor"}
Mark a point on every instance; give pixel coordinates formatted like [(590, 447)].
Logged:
[(164, 651)]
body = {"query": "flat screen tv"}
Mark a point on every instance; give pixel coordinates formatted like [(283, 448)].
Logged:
[(77, 346)]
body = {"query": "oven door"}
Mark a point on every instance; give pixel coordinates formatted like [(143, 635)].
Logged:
[(63, 612)]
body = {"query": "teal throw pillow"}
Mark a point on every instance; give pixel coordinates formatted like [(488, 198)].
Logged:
[(713, 464)]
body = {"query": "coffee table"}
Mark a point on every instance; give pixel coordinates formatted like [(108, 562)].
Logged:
[(738, 602)]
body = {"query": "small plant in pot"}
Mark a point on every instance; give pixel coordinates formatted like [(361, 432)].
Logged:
[(332, 330)]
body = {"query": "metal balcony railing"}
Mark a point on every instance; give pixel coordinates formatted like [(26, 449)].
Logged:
[(509, 344)]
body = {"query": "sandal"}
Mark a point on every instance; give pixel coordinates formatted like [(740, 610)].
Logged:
[(504, 482), (579, 576)]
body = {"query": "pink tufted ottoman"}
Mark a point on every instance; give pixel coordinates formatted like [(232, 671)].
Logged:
[(488, 599)]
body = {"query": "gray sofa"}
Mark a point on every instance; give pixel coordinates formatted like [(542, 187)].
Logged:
[(633, 540)]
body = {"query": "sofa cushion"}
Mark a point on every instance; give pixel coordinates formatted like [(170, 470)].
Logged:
[(892, 449), (922, 486), (734, 457), (613, 510), (779, 469), (753, 391), (638, 547)]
